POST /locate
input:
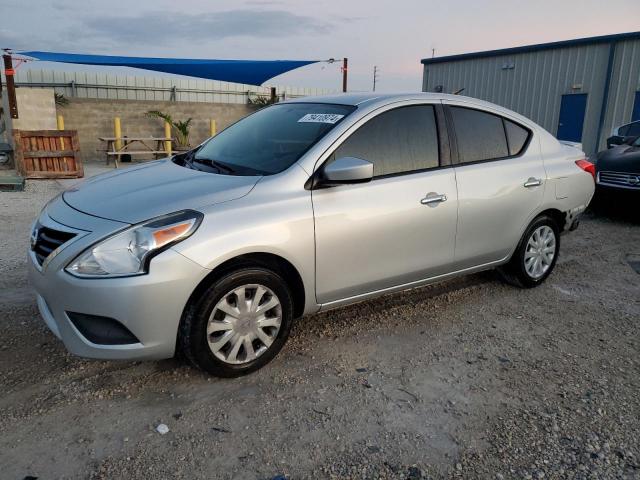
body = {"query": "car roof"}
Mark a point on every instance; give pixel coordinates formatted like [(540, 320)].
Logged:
[(356, 99), (374, 100), (379, 99)]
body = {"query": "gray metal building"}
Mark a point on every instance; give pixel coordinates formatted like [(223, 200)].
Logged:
[(579, 90)]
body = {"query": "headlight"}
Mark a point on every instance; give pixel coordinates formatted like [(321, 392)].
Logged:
[(129, 252)]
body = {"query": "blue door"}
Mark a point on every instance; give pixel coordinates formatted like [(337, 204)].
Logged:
[(635, 115), (571, 119)]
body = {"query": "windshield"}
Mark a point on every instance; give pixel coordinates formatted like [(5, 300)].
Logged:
[(270, 140)]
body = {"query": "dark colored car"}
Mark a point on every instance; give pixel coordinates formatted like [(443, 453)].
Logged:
[(619, 167), (624, 134)]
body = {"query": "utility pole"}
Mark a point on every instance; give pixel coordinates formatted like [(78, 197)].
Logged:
[(345, 62), (11, 87), (375, 76)]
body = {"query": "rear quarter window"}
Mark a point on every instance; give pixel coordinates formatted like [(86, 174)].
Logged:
[(517, 137)]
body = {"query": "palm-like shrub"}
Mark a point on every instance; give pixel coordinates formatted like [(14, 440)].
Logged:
[(260, 100), (180, 127)]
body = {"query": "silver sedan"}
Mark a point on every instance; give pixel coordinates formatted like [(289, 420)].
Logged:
[(300, 207)]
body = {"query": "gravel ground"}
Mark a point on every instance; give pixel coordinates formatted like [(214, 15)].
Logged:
[(470, 378)]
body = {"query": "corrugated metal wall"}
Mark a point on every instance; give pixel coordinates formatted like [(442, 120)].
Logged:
[(123, 87), (532, 83), (625, 82)]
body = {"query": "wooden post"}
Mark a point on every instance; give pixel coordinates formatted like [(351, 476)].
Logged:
[(272, 93), (167, 134), (60, 124), (345, 62), (9, 72), (212, 127)]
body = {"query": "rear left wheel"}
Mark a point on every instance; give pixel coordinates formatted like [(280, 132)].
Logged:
[(536, 254)]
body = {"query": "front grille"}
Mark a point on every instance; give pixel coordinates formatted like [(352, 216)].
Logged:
[(46, 240), (620, 179)]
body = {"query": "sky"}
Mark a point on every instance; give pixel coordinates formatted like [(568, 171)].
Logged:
[(392, 35)]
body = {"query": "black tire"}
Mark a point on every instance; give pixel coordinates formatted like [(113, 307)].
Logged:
[(515, 272), (192, 338)]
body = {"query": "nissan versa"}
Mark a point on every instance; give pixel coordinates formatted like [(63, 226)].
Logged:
[(300, 207)]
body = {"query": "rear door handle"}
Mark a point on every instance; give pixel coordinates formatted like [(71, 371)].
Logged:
[(533, 182), (432, 198)]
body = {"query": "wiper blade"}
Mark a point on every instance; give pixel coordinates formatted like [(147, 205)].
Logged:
[(188, 159), (215, 164)]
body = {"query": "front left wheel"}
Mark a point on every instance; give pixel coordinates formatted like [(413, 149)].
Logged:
[(239, 324)]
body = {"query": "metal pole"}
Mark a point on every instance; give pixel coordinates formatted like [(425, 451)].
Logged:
[(117, 145), (9, 72), (345, 62), (117, 133), (167, 134), (375, 76), (60, 125)]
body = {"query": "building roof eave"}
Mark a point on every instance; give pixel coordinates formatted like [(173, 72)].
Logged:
[(533, 48)]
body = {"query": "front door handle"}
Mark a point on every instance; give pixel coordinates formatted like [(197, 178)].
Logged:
[(533, 182), (432, 198)]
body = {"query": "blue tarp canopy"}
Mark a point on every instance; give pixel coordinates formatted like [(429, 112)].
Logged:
[(252, 72)]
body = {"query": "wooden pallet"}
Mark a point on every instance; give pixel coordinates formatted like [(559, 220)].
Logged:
[(47, 153)]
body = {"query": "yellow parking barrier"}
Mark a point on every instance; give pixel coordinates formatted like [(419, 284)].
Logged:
[(167, 134)]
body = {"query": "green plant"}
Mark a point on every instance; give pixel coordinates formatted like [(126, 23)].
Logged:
[(180, 127), (260, 100), (60, 100), (182, 131)]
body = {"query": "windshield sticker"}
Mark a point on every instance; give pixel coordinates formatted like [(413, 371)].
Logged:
[(320, 118)]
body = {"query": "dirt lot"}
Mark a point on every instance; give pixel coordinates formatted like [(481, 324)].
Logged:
[(470, 378)]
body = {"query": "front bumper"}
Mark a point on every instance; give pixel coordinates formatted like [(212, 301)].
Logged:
[(149, 306)]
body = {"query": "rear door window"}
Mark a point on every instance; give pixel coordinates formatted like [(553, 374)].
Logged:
[(480, 135), (401, 140), (484, 136)]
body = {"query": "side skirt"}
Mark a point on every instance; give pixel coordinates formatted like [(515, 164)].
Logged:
[(408, 286)]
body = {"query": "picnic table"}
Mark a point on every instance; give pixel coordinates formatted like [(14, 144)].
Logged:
[(134, 146)]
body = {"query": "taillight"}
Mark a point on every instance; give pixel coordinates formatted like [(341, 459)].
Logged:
[(587, 166)]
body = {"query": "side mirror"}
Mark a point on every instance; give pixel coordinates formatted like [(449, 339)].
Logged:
[(344, 171)]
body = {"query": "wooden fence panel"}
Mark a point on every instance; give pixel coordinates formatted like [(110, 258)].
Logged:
[(47, 153)]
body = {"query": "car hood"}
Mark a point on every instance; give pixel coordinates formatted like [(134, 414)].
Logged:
[(624, 158), (139, 193)]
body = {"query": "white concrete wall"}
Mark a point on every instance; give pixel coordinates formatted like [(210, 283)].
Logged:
[(36, 109)]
